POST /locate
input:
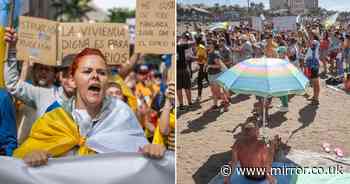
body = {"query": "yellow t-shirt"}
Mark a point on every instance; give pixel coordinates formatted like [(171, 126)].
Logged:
[(141, 89), (168, 141), (201, 54)]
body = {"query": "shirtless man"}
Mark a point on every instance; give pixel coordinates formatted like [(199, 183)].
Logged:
[(250, 152)]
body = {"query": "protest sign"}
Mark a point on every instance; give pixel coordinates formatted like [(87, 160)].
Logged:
[(155, 26), (37, 40), (131, 22), (257, 24), (171, 71), (285, 23), (47, 42), (111, 38)]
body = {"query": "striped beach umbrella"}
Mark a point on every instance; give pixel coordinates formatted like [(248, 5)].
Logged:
[(265, 77)]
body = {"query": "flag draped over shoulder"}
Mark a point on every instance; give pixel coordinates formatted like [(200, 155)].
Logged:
[(55, 132), (4, 12)]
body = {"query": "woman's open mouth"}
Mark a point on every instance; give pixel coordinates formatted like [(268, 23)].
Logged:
[(95, 88)]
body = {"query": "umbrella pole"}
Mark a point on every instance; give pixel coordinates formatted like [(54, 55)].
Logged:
[(263, 134), (264, 121)]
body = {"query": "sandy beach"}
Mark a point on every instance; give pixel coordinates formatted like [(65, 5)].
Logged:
[(204, 139)]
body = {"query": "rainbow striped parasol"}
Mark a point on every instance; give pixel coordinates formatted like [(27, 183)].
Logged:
[(265, 77)]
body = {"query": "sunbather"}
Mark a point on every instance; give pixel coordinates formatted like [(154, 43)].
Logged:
[(253, 154)]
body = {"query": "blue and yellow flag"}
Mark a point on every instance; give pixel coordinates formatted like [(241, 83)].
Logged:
[(132, 101), (4, 13), (54, 132)]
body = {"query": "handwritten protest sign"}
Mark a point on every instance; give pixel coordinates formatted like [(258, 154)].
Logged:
[(47, 42), (112, 39), (155, 26), (37, 40), (257, 23), (131, 22), (286, 23), (171, 70)]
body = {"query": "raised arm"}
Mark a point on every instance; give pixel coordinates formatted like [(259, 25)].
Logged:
[(126, 69), (15, 84), (165, 117)]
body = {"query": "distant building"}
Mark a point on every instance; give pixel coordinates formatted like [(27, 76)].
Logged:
[(193, 14), (302, 6), (278, 4), (311, 4), (297, 6), (37, 8), (230, 15)]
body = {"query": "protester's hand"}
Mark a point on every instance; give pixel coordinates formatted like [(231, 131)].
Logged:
[(143, 109), (10, 36), (154, 151), (36, 158), (170, 92)]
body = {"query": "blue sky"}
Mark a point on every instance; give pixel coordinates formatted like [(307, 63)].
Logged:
[(340, 5)]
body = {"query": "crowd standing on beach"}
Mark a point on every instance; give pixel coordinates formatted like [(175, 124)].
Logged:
[(131, 104), (316, 50)]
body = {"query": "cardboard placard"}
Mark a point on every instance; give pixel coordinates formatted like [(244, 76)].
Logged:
[(47, 42), (286, 23), (131, 22), (155, 26), (111, 38), (37, 40), (171, 70), (257, 23)]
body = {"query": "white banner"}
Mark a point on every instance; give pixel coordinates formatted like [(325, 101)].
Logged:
[(111, 168)]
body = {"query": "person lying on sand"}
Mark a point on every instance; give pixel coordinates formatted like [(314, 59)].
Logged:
[(252, 153)]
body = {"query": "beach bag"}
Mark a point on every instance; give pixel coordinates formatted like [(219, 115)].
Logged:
[(307, 72)]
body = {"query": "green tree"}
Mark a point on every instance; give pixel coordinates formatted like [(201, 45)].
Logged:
[(72, 10), (120, 15)]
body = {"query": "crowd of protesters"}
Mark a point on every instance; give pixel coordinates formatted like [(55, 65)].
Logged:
[(317, 51), (32, 88), (320, 52)]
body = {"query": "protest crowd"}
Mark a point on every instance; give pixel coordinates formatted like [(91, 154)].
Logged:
[(141, 86), (318, 49)]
